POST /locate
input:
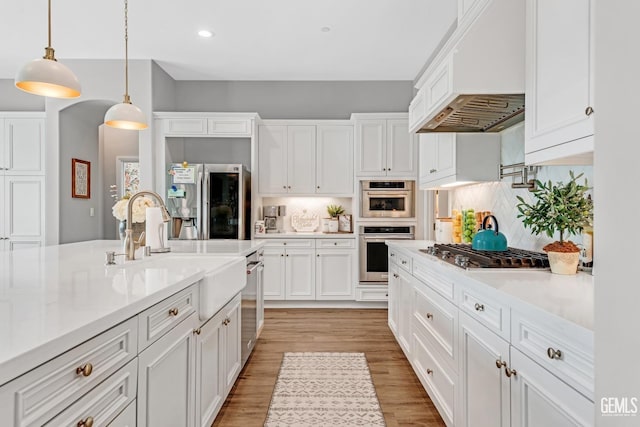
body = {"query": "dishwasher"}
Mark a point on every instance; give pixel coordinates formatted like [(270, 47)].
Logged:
[(250, 305)]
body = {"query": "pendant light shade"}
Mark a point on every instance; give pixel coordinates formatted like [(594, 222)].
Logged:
[(46, 76), (126, 115)]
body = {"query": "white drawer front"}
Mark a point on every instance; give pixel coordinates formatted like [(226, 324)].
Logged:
[(335, 243), (50, 388), (439, 381), (437, 318), (229, 127), (404, 261), (127, 418), (433, 279), (565, 352), (103, 403), (372, 293), (185, 126), (487, 310), (290, 243), (162, 317)]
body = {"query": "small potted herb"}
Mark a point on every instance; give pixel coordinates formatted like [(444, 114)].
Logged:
[(563, 208), (334, 211)]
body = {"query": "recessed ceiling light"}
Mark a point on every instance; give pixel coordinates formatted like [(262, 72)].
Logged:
[(205, 33), (325, 29)]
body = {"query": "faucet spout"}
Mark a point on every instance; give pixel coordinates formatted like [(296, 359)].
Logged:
[(130, 245)]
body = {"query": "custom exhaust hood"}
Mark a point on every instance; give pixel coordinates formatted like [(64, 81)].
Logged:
[(476, 82)]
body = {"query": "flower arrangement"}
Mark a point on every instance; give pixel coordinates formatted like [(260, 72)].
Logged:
[(140, 205)]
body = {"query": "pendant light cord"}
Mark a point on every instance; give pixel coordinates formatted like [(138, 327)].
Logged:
[(126, 52), (48, 51), (49, 27)]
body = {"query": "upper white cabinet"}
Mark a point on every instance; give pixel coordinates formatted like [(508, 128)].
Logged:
[(227, 125), (22, 144), (305, 159), (448, 159), (22, 199), (559, 82), (384, 147)]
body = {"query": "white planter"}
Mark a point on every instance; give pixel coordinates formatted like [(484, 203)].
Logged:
[(564, 262), (334, 225)]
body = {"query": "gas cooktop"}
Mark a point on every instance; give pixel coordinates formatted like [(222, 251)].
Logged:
[(465, 257)]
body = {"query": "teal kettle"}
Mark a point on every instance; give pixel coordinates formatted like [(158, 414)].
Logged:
[(487, 239)]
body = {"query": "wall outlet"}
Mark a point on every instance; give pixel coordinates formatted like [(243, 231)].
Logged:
[(91, 212)]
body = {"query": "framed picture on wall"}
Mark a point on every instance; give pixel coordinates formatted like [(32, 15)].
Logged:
[(80, 179)]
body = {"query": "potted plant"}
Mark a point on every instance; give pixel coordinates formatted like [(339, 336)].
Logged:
[(563, 208), (334, 211)]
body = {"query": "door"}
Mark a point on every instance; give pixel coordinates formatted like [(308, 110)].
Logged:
[(404, 310), (232, 350), (166, 375), (272, 159), (209, 385), (394, 298), (301, 161), (371, 135), (335, 274), (300, 274), (485, 388), (24, 146), (428, 164), (224, 204), (446, 155), (334, 157), (274, 273), (23, 206), (401, 160)]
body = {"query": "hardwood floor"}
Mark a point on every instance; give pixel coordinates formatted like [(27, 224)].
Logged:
[(402, 398)]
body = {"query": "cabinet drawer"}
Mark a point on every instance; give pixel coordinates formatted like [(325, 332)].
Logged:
[(335, 243), (127, 418), (437, 318), (290, 243), (229, 127), (372, 293), (103, 403), (45, 391), (437, 379), (487, 310), (185, 126), (403, 260), (162, 317), (433, 279), (562, 348)]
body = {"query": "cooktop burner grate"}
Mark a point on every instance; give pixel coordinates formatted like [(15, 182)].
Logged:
[(464, 256)]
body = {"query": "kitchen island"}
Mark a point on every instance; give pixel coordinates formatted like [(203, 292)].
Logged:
[(57, 299)]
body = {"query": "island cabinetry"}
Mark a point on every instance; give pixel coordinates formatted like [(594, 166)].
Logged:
[(400, 303)]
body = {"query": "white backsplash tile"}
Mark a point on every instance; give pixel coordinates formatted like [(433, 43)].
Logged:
[(500, 198)]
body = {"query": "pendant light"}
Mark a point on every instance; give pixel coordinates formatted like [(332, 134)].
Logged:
[(46, 76), (125, 115)]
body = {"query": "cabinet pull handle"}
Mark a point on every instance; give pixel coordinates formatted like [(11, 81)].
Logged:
[(226, 321), (509, 372), (430, 316), (429, 371), (395, 275), (479, 307), (500, 364), (197, 331), (588, 111), (553, 353), (85, 370), (87, 422), (173, 311)]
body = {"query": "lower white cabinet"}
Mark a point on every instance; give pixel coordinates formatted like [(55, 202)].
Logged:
[(400, 306), (335, 274), (21, 211), (394, 296), (126, 418)]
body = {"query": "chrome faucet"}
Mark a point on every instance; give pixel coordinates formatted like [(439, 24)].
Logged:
[(131, 245)]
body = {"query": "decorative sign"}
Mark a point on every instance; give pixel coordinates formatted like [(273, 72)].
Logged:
[(345, 223), (184, 175), (80, 179)]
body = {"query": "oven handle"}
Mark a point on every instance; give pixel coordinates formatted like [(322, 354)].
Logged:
[(387, 193), (384, 237), (254, 266)]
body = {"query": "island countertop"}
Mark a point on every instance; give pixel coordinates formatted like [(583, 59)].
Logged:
[(56, 297)]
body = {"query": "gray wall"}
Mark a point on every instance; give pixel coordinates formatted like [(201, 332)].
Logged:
[(295, 99), (13, 99), (210, 150), (163, 89)]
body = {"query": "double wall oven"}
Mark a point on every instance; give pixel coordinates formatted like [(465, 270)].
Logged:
[(374, 261)]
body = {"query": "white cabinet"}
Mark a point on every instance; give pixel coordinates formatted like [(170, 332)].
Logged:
[(384, 147), (450, 159), (334, 160), (274, 277), (335, 270), (22, 146), (394, 296), (166, 378), (216, 125), (232, 346), (289, 270), (400, 306), (559, 82)]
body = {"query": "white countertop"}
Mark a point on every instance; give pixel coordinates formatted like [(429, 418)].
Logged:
[(309, 235), (55, 297), (567, 297)]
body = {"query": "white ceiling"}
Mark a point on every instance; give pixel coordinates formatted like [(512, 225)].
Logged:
[(254, 39)]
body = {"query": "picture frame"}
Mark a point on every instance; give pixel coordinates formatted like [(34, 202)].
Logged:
[(345, 223), (80, 179)]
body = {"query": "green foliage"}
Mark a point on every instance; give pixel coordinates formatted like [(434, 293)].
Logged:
[(562, 207), (335, 210)]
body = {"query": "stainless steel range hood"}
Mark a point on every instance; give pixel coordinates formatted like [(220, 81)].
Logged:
[(478, 113)]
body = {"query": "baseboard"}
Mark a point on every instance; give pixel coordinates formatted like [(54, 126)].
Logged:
[(325, 304)]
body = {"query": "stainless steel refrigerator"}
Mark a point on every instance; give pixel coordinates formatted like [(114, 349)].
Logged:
[(209, 201)]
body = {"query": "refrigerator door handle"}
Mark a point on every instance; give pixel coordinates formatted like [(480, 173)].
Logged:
[(203, 203)]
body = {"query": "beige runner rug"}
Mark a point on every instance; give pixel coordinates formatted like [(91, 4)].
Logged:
[(324, 389)]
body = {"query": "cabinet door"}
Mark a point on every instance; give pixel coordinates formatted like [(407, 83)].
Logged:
[(334, 156), (23, 206), (538, 398), (209, 364), (559, 81), (166, 378), (485, 388), (401, 159), (24, 146), (272, 159), (405, 310), (428, 147), (301, 161), (232, 345), (446, 154), (335, 274), (371, 146), (300, 274), (260, 299), (273, 277), (394, 297)]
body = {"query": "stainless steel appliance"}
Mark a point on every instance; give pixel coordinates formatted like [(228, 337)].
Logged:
[(250, 304), (387, 199), (271, 214), (374, 262), (209, 201), (465, 257)]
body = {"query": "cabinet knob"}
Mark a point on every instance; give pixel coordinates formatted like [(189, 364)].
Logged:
[(281, 254), (404, 262), (510, 372), (289, 187), (553, 353), (85, 370), (287, 255), (284, 186), (432, 171), (430, 316), (335, 243), (392, 254), (318, 187), (87, 422), (588, 111), (395, 275), (386, 295), (197, 331), (318, 255), (479, 307), (384, 169), (173, 311), (430, 371), (500, 363), (388, 169)]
